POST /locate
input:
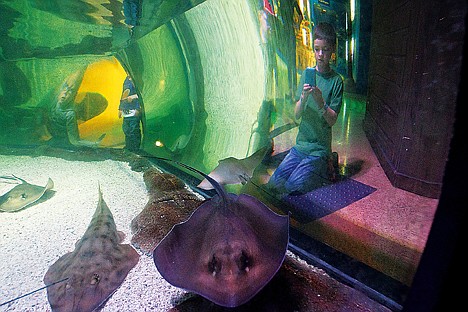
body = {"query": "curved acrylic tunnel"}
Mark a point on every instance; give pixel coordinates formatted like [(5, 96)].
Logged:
[(204, 77), (202, 84)]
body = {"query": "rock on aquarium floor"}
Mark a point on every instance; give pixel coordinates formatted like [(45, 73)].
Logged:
[(32, 239)]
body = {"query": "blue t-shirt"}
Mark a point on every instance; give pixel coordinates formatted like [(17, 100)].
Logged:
[(126, 106)]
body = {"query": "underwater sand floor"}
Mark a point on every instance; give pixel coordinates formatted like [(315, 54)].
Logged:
[(34, 238)]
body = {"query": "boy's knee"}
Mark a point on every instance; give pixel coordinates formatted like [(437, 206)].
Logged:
[(294, 186)]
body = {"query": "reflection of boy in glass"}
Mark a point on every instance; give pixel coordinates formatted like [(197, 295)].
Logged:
[(62, 120), (130, 110), (319, 99)]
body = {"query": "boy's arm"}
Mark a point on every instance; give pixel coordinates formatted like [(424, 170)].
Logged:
[(331, 111), (329, 115), (300, 105), (127, 97), (125, 94), (301, 97)]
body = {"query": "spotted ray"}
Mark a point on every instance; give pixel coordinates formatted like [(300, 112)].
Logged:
[(95, 269)]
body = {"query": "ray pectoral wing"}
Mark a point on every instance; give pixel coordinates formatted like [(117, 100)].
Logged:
[(178, 252)]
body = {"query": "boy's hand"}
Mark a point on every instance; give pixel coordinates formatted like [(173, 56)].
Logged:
[(306, 90), (317, 95), (315, 92)]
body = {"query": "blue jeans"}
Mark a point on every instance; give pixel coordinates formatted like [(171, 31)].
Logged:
[(131, 129), (299, 173)]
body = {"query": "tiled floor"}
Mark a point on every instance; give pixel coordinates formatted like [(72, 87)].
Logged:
[(400, 218), (393, 213)]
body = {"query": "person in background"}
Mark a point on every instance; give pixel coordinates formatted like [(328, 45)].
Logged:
[(61, 116), (130, 110), (132, 10), (319, 99)]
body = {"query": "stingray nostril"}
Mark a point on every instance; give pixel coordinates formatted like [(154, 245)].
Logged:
[(214, 266), (245, 262)]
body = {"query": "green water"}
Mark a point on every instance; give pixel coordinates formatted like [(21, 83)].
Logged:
[(201, 68)]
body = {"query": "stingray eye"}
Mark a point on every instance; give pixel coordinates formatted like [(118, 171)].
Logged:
[(214, 266), (23, 196), (245, 262)]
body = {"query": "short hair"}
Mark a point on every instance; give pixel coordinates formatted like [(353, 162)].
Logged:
[(324, 31)]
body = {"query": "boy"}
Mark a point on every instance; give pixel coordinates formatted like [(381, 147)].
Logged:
[(319, 99)]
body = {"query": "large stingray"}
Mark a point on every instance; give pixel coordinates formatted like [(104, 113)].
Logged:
[(95, 269), (228, 249), (22, 195), (232, 170)]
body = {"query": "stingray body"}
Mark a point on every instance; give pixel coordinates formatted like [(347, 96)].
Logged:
[(23, 195), (95, 269), (235, 171), (232, 170), (228, 249)]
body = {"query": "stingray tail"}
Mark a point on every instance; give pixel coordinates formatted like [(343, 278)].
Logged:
[(32, 292), (280, 130), (100, 206), (13, 177), (219, 189), (99, 192)]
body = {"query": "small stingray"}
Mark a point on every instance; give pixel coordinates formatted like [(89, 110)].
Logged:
[(228, 249), (239, 171), (95, 269), (235, 171), (22, 195)]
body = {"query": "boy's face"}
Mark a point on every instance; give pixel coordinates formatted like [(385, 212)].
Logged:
[(323, 51)]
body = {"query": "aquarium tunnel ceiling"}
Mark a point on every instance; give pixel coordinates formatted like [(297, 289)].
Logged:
[(199, 68)]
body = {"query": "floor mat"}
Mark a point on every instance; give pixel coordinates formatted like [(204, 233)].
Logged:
[(326, 200)]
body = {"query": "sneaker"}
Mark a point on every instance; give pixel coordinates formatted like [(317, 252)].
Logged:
[(333, 168), (335, 161)]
